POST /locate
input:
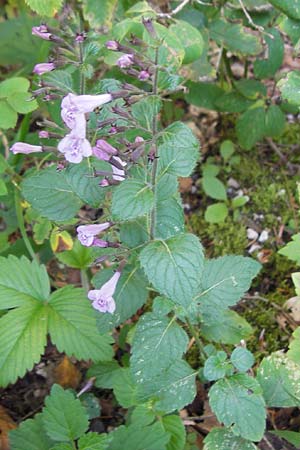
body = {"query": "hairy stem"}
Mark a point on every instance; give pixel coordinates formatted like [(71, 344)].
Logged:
[(154, 148), (195, 334), (84, 280), (20, 219)]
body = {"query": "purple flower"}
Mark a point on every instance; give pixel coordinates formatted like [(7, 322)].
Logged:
[(39, 69), (103, 298), (22, 147), (104, 151), (85, 103), (118, 174), (41, 32), (125, 61), (139, 140), (80, 37), (144, 75), (74, 148), (44, 134), (87, 233), (112, 45), (104, 183)]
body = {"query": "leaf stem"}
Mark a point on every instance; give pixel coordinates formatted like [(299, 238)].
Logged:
[(20, 219), (84, 280), (195, 334), (154, 148)]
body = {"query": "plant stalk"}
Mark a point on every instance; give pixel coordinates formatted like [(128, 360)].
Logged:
[(20, 219), (154, 148), (197, 339)]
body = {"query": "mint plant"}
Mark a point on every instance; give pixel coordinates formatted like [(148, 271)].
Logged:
[(103, 145)]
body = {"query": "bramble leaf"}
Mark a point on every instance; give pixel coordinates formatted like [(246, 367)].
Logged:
[(222, 439)]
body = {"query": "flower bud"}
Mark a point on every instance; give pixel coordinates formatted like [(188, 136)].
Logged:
[(144, 75), (42, 68), (148, 24), (44, 134), (106, 147), (42, 32), (80, 37), (22, 147), (125, 61), (112, 45)]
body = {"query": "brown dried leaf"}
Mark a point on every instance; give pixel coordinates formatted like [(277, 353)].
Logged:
[(66, 374), (6, 424)]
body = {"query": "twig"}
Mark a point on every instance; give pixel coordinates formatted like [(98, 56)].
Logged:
[(254, 25), (175, 11), (266, 441), (283, 158)]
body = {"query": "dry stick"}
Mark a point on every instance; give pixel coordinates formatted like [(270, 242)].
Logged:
[(254, 25), (278, 152), (175, 11)]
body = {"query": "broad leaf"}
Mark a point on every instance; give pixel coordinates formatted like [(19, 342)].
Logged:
[(290, 7), (99, 17), (266, 68), (94, 441), (60, 79), (294, 347), (215, 366), (169, 218), (293, 437), (135, 232), (204, 95), (290, 87), (275, 121), (238, 403), (242, 359), (105, 373), (125, 389), (145, 110), (178, 150), (174, 426), (174, 266), (248, 136), (72, 326), (279, 378), (190, 38), (45, 7), (222, 439), (64, 417), (79, 257), (24, 328), (22, 282), (224, 326), (233, 102), (135, 437), (132, 199), (214, 188), (158, 341), (30, 435), (8, 117), (216, 213), (226, 279), (292, 249)]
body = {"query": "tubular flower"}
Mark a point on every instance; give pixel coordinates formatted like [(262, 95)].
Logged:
[(74, 148), (22, 147), (72, 105), (41, 32), (103, 298), (86, 233), (118, 174), (125, 61), (104, 151), (39, 69)]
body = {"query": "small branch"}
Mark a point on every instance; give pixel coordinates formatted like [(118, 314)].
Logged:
[(197, 339), (174, 12), (155, 159), (249, 18), (84, 280)]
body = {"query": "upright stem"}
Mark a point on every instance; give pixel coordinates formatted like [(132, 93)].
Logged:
[(20, 219), (154, 148), (197, 339), (84, 280), (82, 77)]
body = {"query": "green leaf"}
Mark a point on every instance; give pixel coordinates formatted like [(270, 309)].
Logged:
[(178, 150), (72, 326), (234, 37), (266, 68), (134, 233), (59, 79), (173, 388), (59, 195), (130, 295), (291, 27), (291, 436), (290, 87), (174, 426), (226, 279), (8, 116), (22, 102), (202, 94), (145, 110), (290, 7), (125, 389), (275, 121), (248, 136), (30, 435), (64, 417), (214, 188), (215, 366), (237, 202), (158, 342), (191, 40), (3, 188), (252, 89), (224, 326), (135, 437), (216, 213), (294, 347), (170, 270), (12, 86), (292, 249), (22, 328), (132, 199), (41, 230), (94, 441), (105, 373), (227, 149), (238, 403), (80, 257), (242, 359), (45, 7), (169, 218), (99, 17), (222, 439), (279, 378), (22, 282), (233, 102)]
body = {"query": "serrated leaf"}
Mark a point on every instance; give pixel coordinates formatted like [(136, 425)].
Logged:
[(279, 377), (158, 341), (238, 403), (72, 326), (64, 417), (214, 188), (252, 89), (94, 441), (22, 282), (30, 435), (132, 199), (169, 218), (22, 328), (60, 79), (216, 213), (275, 121), (222, 439), (170, 270), (134, 233), (203, 94), (233, 102), (248, 136), (8, 116), (99, 17), (173, 388), (290, 7), (242, 359), (290, 87), (145, 110), (104, 373), (215, 366), (234, 37), (224, 326), (190, 38), (178, 150), (79, 257), (130, 295), (174, 426), (134, 437), (266, 68), (226, 279), (125, 389), (45, 7)]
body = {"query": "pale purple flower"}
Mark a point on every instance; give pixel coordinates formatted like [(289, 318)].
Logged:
[(125, 61), (80, 37), (41, 32), (139, 139), (104, 151), (74, 148), (85, 103), (87, 233), (103, 298), (44, 134), (101, 154), (118, 174), (144, 75), (100, 243), (104, 183), (112, 45), (42, 68), (22, 147)]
